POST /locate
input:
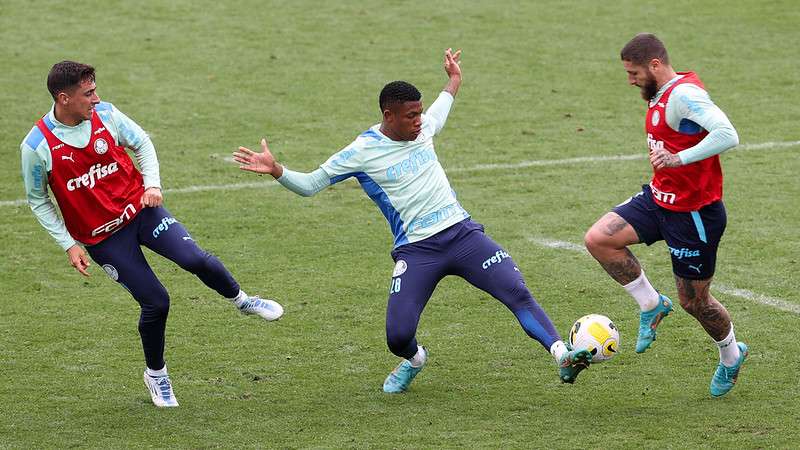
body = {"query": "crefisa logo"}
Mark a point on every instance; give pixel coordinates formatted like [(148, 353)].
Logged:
[(681, 253), (100, 146)]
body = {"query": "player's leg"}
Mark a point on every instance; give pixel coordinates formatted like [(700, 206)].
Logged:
[(163, 234), (693, 241), (122, 259), (417, 271), (634, 221), (696, 299), (487, 266)]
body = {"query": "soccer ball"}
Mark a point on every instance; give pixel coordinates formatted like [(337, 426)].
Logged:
[(596, 333)]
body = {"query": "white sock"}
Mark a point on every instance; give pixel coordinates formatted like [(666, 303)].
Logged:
[(558, 349), (418, 360), (728, 350), (239, 297), (643, 292), (157, 373)]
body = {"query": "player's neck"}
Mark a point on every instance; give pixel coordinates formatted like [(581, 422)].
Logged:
[(665, 77), (65, 118), (386, 131)]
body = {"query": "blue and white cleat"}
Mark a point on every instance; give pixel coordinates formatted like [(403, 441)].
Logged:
[(265, 308), (725, 377), (649, 320), (160, 391), (401, 377)]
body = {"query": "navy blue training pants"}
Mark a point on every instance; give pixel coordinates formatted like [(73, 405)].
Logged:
[(121, 257), (463, 250)]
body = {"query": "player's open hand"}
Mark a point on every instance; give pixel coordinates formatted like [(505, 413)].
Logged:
[(451, 61), (78, 259), (152, 197), (261, 163)]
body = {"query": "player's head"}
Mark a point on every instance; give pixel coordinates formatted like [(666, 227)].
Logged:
[(401, 105), (72, 86), (646, 60)]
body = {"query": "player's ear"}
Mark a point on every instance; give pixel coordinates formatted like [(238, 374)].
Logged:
[(388, 115), (62, 98), (655, 63)]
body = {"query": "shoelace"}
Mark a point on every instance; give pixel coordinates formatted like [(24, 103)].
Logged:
[(254, 302), (165, 387), (728, 373)]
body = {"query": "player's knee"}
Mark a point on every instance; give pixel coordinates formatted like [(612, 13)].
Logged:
[(197, 262), (688, 304), (594, 239), (398, 341), (517, 296), (155, 305), (693, 305)]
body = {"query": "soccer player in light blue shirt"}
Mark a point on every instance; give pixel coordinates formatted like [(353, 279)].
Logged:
[(397, 166)]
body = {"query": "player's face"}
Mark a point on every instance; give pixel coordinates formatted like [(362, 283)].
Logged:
[(78, 104), (643, 78), (405, 120)]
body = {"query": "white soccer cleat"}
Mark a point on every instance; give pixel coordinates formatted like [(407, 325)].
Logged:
[(267, 309), (160, 390)]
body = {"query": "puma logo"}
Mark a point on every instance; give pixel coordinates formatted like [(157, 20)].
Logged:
[(65, 157), (697, 268)]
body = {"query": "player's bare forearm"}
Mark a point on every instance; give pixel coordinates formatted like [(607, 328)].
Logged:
[(453, 84)]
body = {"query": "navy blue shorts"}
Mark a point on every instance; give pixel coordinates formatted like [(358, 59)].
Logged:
[(692, 237)]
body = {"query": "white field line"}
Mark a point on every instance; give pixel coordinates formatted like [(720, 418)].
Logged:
[(774, 302), (185, 190), (592, 159), (480, 167)]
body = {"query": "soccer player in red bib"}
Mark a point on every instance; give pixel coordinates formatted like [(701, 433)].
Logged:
[(681, 205), (110, 209)]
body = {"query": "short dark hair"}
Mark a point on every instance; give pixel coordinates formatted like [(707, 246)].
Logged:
[(398, 92), (643, 48), (66, 75)]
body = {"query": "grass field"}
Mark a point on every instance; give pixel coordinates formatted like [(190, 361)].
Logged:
[(542, 82)]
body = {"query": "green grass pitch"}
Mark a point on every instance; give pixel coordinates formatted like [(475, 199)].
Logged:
[(542, 81)]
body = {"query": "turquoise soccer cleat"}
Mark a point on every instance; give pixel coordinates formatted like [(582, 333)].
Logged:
[(401, 377), (725, 377), (571, 364), (649, 320)]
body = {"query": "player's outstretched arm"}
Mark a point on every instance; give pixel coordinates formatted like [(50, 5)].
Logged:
[(439, 110), (261, 163), (304, 184), (453, 70)]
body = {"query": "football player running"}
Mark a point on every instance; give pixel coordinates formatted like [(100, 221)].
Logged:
[(681, 205)]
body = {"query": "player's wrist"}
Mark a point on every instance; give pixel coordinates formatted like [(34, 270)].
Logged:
[(277, 171)]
